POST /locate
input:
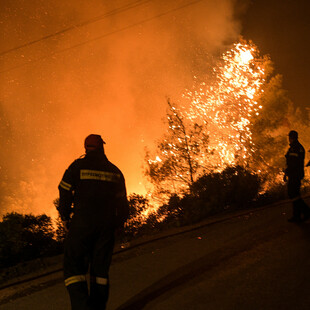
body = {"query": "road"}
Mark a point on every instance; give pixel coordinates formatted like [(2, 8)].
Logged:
[(253, 261)]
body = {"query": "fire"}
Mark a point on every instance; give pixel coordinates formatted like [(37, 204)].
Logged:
[(212, 127), (225, 108), (244, 56)]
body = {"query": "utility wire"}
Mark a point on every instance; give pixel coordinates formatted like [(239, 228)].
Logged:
[(105, 35), (85, 23)]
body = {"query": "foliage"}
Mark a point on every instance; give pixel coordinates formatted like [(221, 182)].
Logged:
[(138, 206), (176, 166), (139, 215), (211, 128), (24, 237), (226, 105), (270, 131), (240, 117), (234, 187)]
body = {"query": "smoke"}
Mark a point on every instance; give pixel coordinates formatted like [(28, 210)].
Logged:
[(109, 77)]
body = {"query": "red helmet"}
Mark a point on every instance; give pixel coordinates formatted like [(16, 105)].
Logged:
[(93, 142), (293, 134)]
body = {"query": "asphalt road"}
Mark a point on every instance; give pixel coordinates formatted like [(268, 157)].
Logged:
[(254, 261)]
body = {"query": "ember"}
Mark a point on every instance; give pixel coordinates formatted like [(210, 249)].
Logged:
[(211, 129)]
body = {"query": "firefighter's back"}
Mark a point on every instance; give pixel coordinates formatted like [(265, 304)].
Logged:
[(98, 183)]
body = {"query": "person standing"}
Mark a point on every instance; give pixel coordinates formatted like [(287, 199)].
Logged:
[(294, 173), (308, 164), (92, 205)]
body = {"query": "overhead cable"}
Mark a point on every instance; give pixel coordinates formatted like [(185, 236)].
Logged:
[(30, 61)]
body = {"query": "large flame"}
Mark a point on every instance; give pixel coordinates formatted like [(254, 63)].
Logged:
[(227, 106), (222, 110)]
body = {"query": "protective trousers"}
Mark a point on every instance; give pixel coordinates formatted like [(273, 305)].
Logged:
[(88, 249), (99, 292), (82, 300), (299, 205)]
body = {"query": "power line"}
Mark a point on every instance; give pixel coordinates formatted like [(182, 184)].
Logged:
[(105, 35), (85, 23)]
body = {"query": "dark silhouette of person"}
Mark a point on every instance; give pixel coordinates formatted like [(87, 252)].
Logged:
[(294, 173), (308, 164), (96, 188)]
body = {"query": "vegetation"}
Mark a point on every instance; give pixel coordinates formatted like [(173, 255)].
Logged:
[(221, 151), (25, 237), (241, 117), (231, 189), (177, 163)]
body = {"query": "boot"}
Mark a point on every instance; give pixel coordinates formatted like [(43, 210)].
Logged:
[(296, 213), (78, 293), (305, 210), (99, 295)]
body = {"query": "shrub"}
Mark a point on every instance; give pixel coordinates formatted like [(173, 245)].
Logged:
[(138, 206), (25, 237), (234, 187)]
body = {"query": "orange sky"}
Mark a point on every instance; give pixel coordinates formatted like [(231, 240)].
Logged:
[(109, 77)]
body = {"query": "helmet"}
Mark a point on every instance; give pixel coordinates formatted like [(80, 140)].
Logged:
[(293, 134), (93, 142)]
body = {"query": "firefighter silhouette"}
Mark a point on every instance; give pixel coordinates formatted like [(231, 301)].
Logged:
[(92, 204), (294, 173)]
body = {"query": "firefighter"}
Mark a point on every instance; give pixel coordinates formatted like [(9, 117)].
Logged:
[(294, 173), (92, 205)]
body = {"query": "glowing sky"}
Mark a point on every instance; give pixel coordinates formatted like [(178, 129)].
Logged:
[(109, 71), (109, 77)]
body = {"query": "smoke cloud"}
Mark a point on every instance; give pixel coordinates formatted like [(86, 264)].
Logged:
[(110, 77)]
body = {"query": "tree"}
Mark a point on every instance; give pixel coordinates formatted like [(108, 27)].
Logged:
[(179, 154), (24, 237), (241, 117), (138, 211), (228, 103), (270, 129), (211, 129)]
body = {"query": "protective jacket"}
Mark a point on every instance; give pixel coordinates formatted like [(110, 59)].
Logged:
[(295, 161), (92, 187)]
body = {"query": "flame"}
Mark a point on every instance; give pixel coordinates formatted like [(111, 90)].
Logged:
[(222, 111), (227, 106)]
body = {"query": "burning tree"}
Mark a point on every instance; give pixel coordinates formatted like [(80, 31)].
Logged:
[(223, 123), (270, 130), (228, 104), (180, 153)]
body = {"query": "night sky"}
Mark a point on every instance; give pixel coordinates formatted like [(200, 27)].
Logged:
[(281, 28)]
